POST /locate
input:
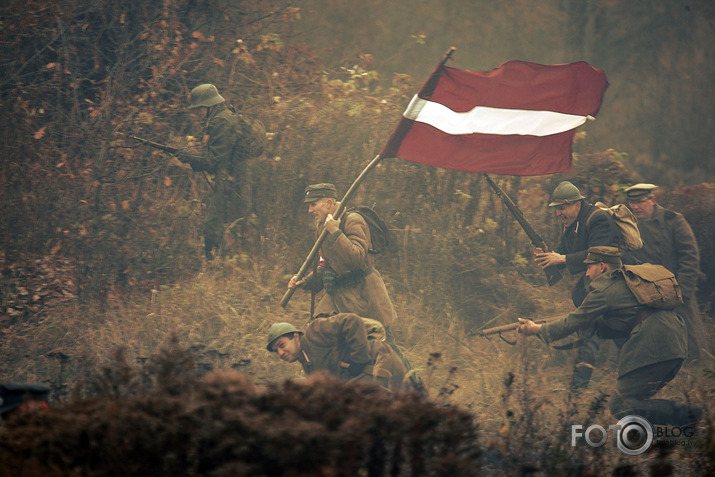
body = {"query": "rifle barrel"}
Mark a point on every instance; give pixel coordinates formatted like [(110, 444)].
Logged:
[(514, 326), (553, 274)]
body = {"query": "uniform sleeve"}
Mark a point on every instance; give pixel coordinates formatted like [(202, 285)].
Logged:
[(348, 248), (218, 148), (345, 330), (601, 231), (593, 306), (688, 255)]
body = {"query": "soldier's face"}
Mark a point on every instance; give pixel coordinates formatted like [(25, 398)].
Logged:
[(320, 209), (642, 208), (595, 270), (567, 213), (287, 348)]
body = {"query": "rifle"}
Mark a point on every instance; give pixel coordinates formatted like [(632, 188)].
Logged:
[(514, 326), (170, 150), (553, 274), (156, 145)]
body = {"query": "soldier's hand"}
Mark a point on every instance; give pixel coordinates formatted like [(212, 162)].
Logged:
[(353, 369), (528, 327), (332, 224), (548, 259), (294, 282)]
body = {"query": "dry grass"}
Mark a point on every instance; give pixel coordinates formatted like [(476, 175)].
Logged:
[(518, 394)]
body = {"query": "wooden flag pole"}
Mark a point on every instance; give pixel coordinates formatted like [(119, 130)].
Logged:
[(324, 234), (341, 208)]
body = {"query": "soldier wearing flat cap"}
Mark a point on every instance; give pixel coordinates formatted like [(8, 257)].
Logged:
[(585, 225), (652, 342), (668, 240), (19, 398), (346, 280)]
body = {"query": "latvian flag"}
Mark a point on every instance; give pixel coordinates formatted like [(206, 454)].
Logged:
[(518, 119)]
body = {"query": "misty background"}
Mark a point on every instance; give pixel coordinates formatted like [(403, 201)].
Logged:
[(659, 58)]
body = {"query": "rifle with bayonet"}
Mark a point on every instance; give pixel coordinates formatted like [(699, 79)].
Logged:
[(553, 274), (156, 145)]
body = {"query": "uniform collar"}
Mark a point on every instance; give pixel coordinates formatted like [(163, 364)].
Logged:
[(581, 217), (658, 216)]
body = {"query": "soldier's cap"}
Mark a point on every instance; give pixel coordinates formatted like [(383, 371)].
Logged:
[(319, 191), (610, 255), (640, 190), (14, 394)]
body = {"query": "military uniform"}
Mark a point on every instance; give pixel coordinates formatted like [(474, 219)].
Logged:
[(232, 140), (652, 344), (668, 240), (353, 283), (332, 343), (346, 279), (592, 227)]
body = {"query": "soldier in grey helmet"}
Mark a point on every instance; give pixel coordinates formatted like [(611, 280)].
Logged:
[(232, 139), (585, 226)]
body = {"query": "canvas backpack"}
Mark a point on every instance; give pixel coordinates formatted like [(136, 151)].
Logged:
[(380, 236), (251, 138), (653, 285), (626, 222)]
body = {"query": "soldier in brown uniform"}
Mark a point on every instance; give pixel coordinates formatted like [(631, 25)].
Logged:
[(652, 342), (339, 345), (232, 139), (346, 279), (668, 240)]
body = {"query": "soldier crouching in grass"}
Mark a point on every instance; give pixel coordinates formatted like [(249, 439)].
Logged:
[(339, 344), (652, 341)]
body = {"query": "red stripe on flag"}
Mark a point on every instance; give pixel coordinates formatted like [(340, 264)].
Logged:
[(575, 88), (524, 155)]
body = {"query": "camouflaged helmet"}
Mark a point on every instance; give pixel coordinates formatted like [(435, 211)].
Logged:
[(280, 329), (565, 193), (205, 95)]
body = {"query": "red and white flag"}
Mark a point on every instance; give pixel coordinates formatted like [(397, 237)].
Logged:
[(517, 119)]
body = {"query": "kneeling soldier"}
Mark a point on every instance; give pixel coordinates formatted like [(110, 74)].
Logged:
[(652, 341), (339, 344)]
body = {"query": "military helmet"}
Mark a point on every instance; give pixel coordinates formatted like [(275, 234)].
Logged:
[(565, 193), (205, 95), (280, 329)]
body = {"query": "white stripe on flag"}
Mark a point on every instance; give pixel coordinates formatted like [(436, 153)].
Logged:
[(486, 120)]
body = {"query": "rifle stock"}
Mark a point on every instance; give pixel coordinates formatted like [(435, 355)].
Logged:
[(553, 274), (514, 326), (156, 145)]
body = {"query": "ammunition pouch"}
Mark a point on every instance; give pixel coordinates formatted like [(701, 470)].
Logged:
[(332, 281)]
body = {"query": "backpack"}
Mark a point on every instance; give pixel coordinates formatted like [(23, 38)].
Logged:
[(380, 236), (653, 285), (250, 138), (626, 222)]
